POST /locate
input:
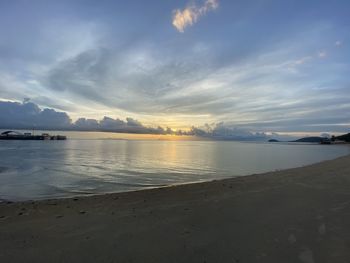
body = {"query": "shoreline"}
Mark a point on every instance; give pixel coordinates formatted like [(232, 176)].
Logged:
[(295, 215)]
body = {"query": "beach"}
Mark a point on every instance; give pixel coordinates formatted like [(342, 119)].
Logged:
[(294, 215)]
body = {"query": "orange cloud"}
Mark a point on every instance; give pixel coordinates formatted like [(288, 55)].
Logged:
[(191, 14)]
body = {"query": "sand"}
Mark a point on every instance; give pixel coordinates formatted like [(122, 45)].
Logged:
[(296, 215)]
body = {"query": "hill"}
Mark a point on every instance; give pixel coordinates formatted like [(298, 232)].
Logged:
[(344, 137), (310, 139)]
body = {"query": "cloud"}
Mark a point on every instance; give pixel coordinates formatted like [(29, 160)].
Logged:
[(189, 90), (117, 125), (241, 71), (191, 14), (29, 115), (83, 71), (87, 124), (338, 43), (303, 60), (322, 54), (134, 80), (222, 131)]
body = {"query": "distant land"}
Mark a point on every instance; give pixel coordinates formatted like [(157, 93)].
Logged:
[(344, 137), (311, 139), (316, 139)]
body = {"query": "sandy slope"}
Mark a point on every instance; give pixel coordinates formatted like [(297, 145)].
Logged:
[(297, 215)]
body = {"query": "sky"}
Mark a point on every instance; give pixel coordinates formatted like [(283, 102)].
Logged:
[(254, 65)]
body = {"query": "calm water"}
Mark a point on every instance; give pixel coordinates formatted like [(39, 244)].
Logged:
[(49, 169)]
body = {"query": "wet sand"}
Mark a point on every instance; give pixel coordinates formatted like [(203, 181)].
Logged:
[(296, 215)]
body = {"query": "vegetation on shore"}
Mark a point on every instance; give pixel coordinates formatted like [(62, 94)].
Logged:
[(316, 139)]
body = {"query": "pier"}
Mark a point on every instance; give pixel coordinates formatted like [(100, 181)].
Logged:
[(13, 135)]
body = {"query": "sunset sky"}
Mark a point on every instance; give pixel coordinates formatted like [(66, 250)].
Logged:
[(272, 65)]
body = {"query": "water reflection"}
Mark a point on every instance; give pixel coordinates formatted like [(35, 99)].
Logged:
[(46, 169)]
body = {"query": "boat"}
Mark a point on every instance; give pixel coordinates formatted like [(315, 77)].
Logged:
[(14, 135)]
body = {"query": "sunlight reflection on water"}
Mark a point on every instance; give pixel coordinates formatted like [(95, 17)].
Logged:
[(49, 169)]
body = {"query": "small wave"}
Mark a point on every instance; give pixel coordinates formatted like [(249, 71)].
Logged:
[(79, 192), (107, 187), (143, 185), (65, 190)]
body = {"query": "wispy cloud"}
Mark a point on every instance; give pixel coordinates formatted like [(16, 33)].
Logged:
[(191, 14), (338, 43), (322, 54), (303, 60)]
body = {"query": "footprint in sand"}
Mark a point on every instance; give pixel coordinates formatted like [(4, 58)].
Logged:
[(306, 256), (322, 229), (292, 239)]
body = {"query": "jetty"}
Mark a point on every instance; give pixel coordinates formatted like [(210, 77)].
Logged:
[(14, 135)]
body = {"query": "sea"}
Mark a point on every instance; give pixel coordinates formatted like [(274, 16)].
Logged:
[(89, 163)]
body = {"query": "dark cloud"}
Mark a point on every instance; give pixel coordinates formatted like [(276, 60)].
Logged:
[(87, 124), (111, 124), (221, 131), (129, 126), (29, 115)]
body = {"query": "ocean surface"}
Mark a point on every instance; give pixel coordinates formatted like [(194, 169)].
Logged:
[(94, 163)]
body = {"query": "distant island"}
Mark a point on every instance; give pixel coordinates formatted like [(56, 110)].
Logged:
[(345, 138), (312, 139)]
